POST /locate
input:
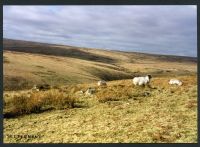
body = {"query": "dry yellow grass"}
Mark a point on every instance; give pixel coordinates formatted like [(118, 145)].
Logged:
[(32, 68), (118, 113), (157, 114), (35, 68), (57, 65), (37, 102)]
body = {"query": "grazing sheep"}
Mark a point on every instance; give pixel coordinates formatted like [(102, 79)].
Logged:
[(101, 83), (141, 80), (175, 82)]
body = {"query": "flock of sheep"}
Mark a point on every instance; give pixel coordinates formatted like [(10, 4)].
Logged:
[(141, 81), (144, 81)]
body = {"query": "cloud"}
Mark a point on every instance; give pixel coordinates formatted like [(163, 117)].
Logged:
[(151, 29)]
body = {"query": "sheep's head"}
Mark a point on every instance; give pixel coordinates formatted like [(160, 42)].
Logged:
[(149, 76)]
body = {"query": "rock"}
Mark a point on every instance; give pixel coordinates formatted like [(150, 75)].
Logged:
[(102, 83), (40, 87), (90, 91), (81, 92)]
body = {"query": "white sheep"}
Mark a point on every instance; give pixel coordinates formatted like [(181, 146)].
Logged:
[(102, 83), (175, 82), (141, 80)]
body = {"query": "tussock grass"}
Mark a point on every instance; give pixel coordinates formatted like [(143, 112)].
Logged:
[(118, 113), (38, 102), (122, 92)]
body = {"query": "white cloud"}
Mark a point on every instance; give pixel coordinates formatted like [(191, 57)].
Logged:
[(154, 29)]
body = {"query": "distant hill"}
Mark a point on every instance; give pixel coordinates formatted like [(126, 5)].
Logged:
[(27, 63)]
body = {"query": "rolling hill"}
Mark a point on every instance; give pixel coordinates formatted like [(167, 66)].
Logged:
[(27, 63), (117, 113)]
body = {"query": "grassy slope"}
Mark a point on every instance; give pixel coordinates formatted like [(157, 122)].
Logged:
[(43, 63), (167, 115)]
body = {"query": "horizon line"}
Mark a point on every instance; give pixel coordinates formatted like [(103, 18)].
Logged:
[(116, 50)]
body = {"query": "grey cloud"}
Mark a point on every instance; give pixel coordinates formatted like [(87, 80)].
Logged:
[(151, 29)]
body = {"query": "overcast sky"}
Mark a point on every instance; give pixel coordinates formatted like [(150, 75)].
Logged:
[(150, 29)]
